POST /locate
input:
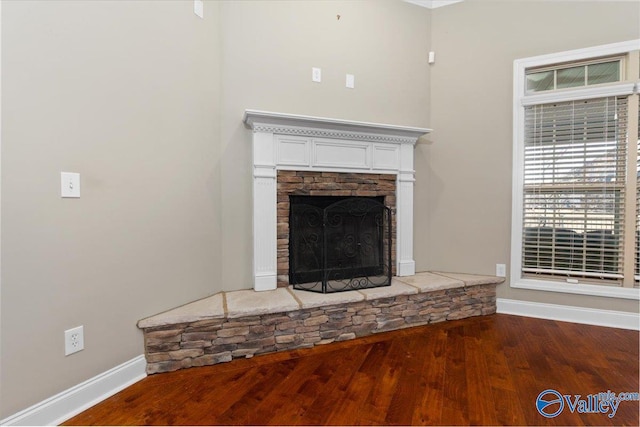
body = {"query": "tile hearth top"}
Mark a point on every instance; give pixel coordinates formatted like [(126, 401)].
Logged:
[(251, 303)]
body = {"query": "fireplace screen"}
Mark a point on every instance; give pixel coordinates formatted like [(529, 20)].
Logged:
[(339, 243)]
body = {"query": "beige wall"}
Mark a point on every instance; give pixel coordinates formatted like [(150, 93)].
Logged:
[(269, 48), (469, 173), (128, 95)]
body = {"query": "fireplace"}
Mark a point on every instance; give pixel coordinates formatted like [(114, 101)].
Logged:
[(339, 243), (321, 189), (297, 155)]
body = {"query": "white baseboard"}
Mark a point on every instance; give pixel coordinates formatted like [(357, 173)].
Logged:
[(76, 399), (565, 313)]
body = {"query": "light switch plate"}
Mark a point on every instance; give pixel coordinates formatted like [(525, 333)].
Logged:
[(69, 184), (351, 81), (198, 8)]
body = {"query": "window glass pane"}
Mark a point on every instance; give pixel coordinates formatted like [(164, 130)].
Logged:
[(537, 82), (570, 77), (574, 174), (603, 73)]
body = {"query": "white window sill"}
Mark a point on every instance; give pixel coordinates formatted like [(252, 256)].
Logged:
[(569, 288)]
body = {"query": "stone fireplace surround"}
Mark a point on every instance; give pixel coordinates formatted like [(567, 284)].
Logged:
[(288, 142)]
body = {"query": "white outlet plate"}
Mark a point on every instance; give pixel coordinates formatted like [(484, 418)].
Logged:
[(69, 184), (316, 74), (73, 340), (501, 270)]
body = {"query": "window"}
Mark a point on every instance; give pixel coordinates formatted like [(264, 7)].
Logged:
[(576, 219), (597, 72)]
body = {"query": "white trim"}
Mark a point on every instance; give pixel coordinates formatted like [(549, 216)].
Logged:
[(76, 399), (337, 169), (579, 289), (433, 4), (265, 282), (406, 268), (519, 100), (578, 55), (565, 313), (1, 380), (312, 126), (589, 92)]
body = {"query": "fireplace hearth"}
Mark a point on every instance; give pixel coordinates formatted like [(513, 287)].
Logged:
[(339, 243)]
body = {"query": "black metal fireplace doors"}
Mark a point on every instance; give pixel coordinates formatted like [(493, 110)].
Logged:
[(339, 243)]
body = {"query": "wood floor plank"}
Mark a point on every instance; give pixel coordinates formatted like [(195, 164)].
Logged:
[(526, 364), (455, 404), (410, 364), (504, 391), (481, 408), (372, 398), (243, 410), (339, 374), (428, 410), (481, 371), (293, 394)]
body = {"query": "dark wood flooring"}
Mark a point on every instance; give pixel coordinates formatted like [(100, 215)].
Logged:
[(478, 371)]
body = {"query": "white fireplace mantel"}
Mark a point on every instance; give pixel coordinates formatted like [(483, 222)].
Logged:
[(306, 143)]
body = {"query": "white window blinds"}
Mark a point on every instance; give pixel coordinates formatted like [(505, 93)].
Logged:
[(574, 182)]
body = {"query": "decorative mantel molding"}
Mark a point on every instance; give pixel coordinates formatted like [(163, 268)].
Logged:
[(306, 143), (322, 127)]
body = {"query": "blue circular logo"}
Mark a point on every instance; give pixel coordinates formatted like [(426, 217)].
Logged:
[(546, 401)]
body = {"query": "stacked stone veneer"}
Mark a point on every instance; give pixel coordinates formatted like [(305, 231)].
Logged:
[(177, 342), (305, 183)]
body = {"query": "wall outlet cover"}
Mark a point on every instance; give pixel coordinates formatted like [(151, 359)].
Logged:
[(73, 340)]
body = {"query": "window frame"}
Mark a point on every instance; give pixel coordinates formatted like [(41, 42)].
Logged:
[(523, 98)]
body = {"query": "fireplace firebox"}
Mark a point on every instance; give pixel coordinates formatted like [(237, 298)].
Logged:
[(339, 243)]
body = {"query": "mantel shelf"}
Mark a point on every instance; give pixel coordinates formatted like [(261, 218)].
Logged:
[(264, 120)]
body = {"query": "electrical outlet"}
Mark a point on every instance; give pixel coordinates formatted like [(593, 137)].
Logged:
[(73, 340), (501, 270)]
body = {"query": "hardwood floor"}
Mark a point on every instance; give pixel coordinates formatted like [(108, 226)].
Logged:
[(477, 371)]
